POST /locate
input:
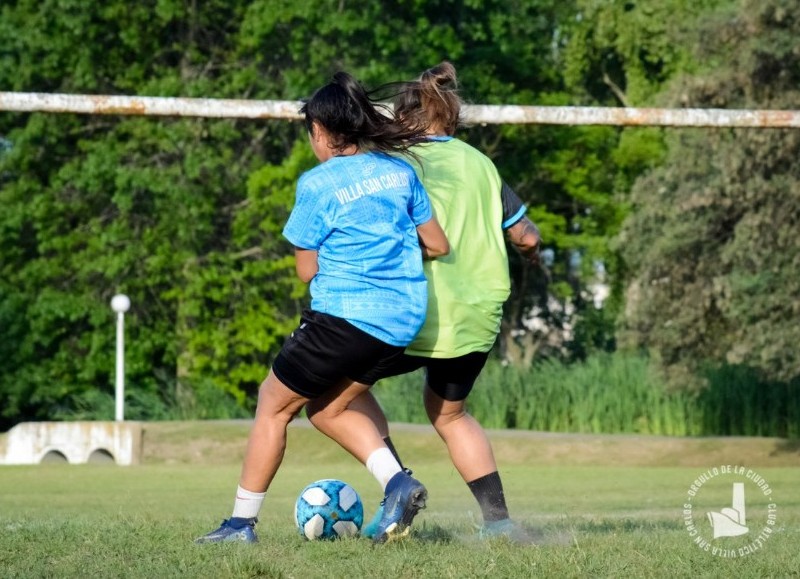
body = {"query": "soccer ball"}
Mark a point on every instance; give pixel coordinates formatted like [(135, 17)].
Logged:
[(328, 509)]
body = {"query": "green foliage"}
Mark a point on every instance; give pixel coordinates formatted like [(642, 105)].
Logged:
[(738, 402), (67, 46), (622, 53), (609, 53), (205, 400), (185, 215), (612, 394), (96, 206), (237, 304), (566, 175), (601, 395), (711, 243)]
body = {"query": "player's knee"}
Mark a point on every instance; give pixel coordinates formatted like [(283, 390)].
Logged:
[(441, 415), (319, 413)]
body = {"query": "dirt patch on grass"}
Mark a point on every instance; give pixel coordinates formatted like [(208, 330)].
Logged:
[(223, 442)]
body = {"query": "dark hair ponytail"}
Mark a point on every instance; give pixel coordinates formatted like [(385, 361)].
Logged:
[(432, 100), (352, 117)]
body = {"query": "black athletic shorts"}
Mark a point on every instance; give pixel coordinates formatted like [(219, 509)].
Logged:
[(450, 378), (325, 349)]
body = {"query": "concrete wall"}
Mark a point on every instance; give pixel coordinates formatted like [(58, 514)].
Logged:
[(73, 442)]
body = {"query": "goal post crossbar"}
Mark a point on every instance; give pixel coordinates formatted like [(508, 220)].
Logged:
[(473, 114)]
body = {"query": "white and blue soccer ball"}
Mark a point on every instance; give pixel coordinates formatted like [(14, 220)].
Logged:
[(328, 509)]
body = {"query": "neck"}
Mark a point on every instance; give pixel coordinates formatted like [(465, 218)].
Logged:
[(436, 131), (347, 151)]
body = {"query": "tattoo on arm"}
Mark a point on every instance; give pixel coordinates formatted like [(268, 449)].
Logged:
[(524, 235)]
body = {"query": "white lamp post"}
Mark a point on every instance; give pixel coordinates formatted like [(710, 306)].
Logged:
[(120, 303)]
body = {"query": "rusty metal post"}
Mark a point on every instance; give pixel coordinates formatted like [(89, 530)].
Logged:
[(473, 114)]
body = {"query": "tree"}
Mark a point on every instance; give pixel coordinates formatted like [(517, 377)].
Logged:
[(93, 206), (184, 215), (712, 242)]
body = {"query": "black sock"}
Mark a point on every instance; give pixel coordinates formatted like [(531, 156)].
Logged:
[(488, 491), (388, 442)]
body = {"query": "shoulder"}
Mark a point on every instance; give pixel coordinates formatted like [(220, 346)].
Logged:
[(478, 163), (393, 164), (394, 160), (320, 176), (469, 151), (452, 147), (312, 174), (473, 164)]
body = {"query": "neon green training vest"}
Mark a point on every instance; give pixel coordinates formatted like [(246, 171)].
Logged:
[(468, 287)]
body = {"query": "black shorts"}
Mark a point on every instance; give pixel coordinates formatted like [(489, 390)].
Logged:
[(450, 378), (324, 350)]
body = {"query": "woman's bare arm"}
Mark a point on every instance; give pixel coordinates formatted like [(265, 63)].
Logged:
[(524, 235), (305, 263), (432, 239)]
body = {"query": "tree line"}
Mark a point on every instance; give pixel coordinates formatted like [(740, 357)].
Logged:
[(690, 232)]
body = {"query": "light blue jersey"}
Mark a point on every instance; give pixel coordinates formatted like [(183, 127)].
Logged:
[(360, 213)]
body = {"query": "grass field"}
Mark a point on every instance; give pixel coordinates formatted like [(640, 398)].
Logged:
[(608, 507)]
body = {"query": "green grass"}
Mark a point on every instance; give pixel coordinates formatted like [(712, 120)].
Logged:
[(602, 518)]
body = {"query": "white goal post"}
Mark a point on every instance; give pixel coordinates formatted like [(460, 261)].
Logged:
[(473, 114)]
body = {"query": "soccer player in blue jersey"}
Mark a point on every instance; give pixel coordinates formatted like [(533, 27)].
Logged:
[(361, 226), (467, 290)]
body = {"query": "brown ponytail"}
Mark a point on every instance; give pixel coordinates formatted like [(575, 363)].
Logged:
[(432, 101)]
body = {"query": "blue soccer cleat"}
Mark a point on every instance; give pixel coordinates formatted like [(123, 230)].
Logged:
[(405, 497), (370, 529), (235, 529)]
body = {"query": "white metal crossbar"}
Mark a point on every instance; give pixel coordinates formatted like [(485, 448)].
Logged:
[(473, 114)]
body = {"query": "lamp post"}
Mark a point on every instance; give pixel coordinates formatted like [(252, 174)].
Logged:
[(120, 303)]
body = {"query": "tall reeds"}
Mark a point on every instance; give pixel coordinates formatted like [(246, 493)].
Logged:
[(613, 393)]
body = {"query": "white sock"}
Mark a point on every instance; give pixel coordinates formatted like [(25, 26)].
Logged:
[(383, 466), (247, 503)]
